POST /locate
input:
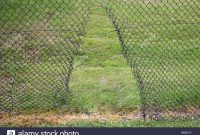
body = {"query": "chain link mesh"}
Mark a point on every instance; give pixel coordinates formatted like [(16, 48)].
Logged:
[(160, 41), (38, 42)]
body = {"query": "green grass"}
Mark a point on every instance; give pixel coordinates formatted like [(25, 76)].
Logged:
[(37, 47), (101, 73), (101, 81)]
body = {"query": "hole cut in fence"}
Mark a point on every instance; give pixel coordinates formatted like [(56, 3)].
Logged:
[(39, 41)]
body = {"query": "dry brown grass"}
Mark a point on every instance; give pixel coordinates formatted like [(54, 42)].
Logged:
[(30, 120)]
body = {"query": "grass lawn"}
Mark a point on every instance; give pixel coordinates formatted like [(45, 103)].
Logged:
[(101, 74), (102, 81)]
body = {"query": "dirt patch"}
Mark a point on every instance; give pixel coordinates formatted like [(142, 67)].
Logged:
[(55, 119)]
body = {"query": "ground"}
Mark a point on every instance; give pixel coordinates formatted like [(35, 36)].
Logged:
[(103, 89)]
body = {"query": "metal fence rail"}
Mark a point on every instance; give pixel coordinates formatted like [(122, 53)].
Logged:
[(160, 41)]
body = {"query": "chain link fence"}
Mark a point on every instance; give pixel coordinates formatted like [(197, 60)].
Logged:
[(38, 42), (160, 39)]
